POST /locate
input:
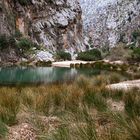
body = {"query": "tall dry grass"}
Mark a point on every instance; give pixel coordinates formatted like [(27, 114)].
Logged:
[(81, 105)]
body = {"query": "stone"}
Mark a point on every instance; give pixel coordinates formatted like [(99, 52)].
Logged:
[(126, 85), (22, 131), (44, 56)]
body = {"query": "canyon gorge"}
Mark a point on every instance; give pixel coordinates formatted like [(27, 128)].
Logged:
[(53, 24), (70, 25)]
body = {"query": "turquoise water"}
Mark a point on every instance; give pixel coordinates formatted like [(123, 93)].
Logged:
[(40, 75)]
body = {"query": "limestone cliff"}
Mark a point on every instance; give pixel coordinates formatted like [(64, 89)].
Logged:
[(55, 24), (7, 18), (109, 21)]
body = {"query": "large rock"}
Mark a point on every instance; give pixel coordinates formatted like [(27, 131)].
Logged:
[(126, 85), (44, 56)]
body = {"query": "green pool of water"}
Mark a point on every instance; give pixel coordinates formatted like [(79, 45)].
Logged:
[(41, 75)]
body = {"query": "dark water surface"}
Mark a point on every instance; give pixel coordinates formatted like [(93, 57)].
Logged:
[(41, 75)]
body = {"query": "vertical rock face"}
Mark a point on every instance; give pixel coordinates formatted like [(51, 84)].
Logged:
[(55, 24), (109, 21), (7, 21)]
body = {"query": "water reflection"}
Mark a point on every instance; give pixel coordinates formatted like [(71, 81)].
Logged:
[(30, 75)]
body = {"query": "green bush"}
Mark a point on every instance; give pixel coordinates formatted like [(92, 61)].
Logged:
[(44, 63), (136, 34), (136, 54), (132, 45), (7, 41), (3, 42), (63, 55), (18, 34), (25, 45), (12, 41), (90, 55)]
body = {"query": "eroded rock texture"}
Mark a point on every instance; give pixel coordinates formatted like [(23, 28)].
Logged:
[(55, 24), (7, 19), (109, 21)]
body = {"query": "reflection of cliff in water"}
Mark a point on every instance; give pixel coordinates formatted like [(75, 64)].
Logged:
[(14, 75)]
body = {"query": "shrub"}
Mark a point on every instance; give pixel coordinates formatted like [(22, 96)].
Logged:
[(44, 63), (25, 45), (18, 34), (136, 34), (90, 55), (132, 45), (122, 36), (136, 54), (7, 41), (3, 42), (12, 41), (63, 55)]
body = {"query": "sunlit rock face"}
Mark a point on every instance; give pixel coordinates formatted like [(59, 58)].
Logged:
[(55, 24), (109, 21)]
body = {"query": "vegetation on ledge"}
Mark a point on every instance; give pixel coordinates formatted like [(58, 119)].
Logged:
[(90, 55), (62, 55)]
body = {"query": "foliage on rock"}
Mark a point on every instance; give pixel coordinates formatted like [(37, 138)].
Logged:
[(61, 55), (90, 55)]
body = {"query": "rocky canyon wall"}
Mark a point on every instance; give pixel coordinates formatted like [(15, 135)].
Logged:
[(7, 19), (107, 22), (55, 24)]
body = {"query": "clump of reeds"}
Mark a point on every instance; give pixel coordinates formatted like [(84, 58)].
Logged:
[(3, 129), (132, 102), (9, 105), (81, 106)]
